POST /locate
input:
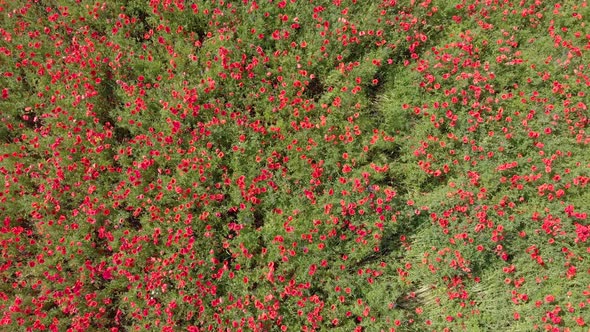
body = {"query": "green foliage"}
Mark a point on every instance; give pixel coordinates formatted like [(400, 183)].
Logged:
[(272, 165)]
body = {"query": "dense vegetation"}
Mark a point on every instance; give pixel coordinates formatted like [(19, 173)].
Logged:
[(294, 165)]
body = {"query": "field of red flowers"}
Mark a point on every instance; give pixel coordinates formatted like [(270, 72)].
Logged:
[(294, 165)]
